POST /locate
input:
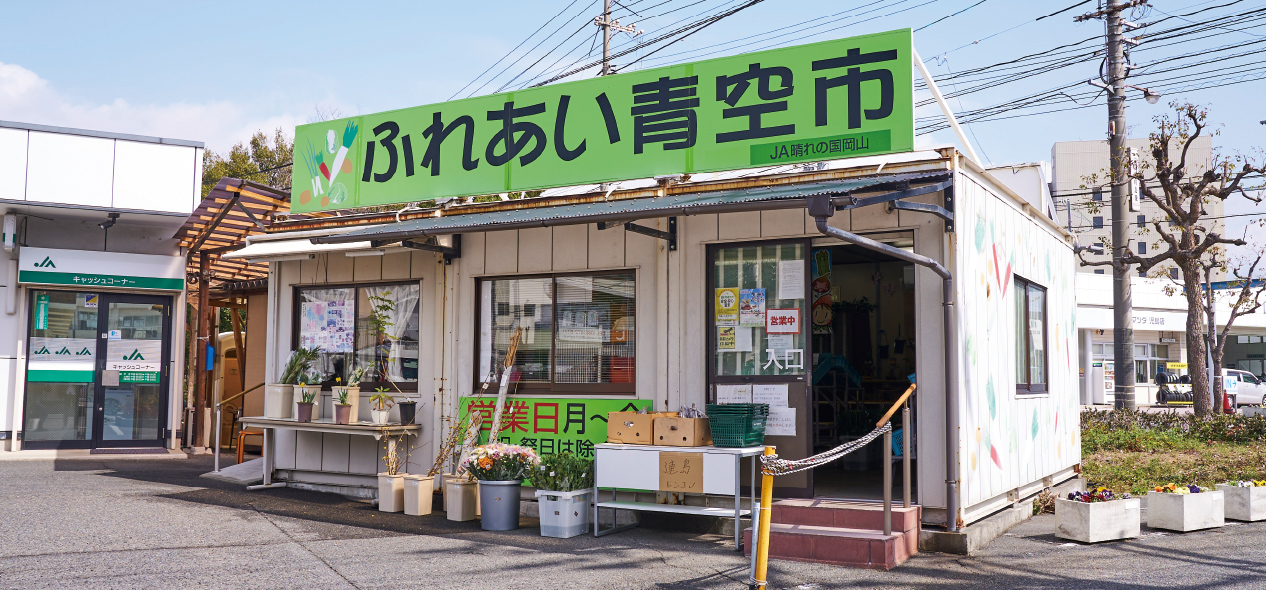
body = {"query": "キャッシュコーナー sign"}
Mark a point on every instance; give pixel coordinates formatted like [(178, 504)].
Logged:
[(829, 100)]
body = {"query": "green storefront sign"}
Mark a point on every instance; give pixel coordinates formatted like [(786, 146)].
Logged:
[(41, 311), (829, 100), (81, 279), (551, 425)]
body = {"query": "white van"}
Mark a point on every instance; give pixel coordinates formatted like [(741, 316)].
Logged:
[(1249, 391)]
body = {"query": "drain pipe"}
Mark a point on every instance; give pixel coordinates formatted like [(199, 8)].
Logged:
[(821, 208)]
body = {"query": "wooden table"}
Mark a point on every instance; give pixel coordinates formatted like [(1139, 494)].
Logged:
[(636, 467), (270, 426)]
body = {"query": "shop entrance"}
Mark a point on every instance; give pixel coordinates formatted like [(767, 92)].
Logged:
[(863, 324), (96, 370)]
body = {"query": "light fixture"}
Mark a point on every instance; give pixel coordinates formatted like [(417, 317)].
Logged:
[(362, 253), (109, 223), (1150, 97)]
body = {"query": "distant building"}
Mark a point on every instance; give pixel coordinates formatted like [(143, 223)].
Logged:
[(1084, 204)]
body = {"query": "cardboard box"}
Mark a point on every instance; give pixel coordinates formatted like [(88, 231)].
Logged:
[(630, 428), (682, 432)]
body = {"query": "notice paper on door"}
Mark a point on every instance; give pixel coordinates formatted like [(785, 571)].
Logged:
[(773, 394), (734, 394), (782, 421), (791, 283)]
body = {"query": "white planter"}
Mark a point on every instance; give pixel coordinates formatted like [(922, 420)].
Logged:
[(565, 514), (316, 400), (459, 500), (353, 399), (1093, 522), (390, 493), (380, 416), (1244, 503), (278, 400), (1253, 411), (418, 493), (1185, 512)]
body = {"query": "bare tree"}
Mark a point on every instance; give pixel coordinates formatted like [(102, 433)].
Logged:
[(1245, 297), (1187, 231)]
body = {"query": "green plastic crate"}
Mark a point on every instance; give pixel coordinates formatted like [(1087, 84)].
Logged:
[(737, 425)]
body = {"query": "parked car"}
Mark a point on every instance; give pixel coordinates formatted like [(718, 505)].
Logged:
[(1251, 389)]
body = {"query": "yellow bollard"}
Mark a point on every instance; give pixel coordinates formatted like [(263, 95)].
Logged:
[(762, 546)]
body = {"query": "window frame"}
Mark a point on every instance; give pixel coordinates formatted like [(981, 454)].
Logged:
[(1022, 384), (404, 386), (554, 388)]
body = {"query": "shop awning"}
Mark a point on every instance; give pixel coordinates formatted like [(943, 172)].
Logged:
[(789, 196)]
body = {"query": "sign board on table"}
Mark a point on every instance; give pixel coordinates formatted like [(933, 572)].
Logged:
[(551, 426), (681, 472), (822, 101)]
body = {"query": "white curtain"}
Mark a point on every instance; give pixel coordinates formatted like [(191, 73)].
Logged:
[(402, 319)]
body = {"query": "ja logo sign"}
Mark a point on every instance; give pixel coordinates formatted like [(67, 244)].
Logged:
[(135, 356), (46, 263)]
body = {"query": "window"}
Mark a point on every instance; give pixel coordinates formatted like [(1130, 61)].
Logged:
[(1142, 220), (576, 331), (1149, 359), (1098, 194), (374, 327), (1030, 335), (1173, 273), (1142, 248), (1142, 273), (1098, 271), (757, 311), (1098, 221)]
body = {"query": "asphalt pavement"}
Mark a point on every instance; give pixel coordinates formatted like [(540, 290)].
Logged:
[(134, 523)]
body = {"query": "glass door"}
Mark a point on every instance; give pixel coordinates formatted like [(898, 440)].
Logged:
[(133, 352), (61, 371)]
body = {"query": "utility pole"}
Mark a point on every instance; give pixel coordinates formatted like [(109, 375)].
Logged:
[(604, 21), (1122, 304)]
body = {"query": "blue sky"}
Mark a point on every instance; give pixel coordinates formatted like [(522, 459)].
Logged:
[(218, 71)]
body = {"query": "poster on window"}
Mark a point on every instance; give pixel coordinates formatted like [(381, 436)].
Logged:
[(327, 325), (751, 307), (727, 307), (782, 321)]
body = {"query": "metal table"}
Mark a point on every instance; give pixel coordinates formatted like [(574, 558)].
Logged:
[(636, 467), (270, 426)]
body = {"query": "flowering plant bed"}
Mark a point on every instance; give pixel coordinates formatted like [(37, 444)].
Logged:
[(1097, 515), (1184, 508), (501, 462), (1245, 499)]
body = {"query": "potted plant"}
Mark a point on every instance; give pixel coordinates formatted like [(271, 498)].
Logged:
[(342, 409), (391, 482), (564, 485), (500, 469), (1184, 508), (381, 403), (308, 393), (348, 390), (1245, 499), (408, 410), (1097, 515), (279, 397)]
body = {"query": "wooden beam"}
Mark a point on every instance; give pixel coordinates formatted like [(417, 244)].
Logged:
[(241, 346), (226, 303)]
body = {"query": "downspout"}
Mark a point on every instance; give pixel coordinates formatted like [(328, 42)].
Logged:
[(821, 209)]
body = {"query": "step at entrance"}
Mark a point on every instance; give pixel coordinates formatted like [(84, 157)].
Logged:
[(842, 532)]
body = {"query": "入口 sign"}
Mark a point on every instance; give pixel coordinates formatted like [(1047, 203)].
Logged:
[(828, 100)]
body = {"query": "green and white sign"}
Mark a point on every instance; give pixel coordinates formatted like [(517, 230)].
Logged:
[(137, 361), (85, 268), (41, 311), (829, 100), (61, 360), (551, 425)]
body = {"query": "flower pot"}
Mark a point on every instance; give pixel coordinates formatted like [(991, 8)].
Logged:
[(1093, 522), (342, 413), (418, 492), (380, 417), (303, 411), (567, 514), (459, 500), (1185, 512), (408, 411), (353, 401), (499, 504), (278, 400), (390, 493), (316, 399), (1244, 503)]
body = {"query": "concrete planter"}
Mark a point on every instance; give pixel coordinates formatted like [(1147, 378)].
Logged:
[(390, 493), (1094, 522), (418, 493), (278, 400), (1244, 503), (1253, 411), (1185, 512), (565, 514)]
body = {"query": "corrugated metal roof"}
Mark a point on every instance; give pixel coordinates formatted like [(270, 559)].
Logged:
[(762, 198)]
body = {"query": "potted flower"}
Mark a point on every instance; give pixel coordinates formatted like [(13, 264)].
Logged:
[(1184, 508), (1097, 515), (500, 469), (391, 482), (279, 397), (380, 403), (308, 393), (564, 485), (1245, 499), (348, 390), (342, 409)]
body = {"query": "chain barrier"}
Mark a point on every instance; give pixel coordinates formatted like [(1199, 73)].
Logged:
[(773, 465)]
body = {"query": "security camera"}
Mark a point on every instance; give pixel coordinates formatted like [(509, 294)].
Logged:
[(109, 223)]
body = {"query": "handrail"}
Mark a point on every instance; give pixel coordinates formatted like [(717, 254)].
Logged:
[(893, 409), (225, 401)]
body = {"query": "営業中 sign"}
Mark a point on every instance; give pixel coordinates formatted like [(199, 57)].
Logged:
[(828, 100)]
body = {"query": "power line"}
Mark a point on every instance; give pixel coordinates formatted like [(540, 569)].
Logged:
[(516, 48)]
